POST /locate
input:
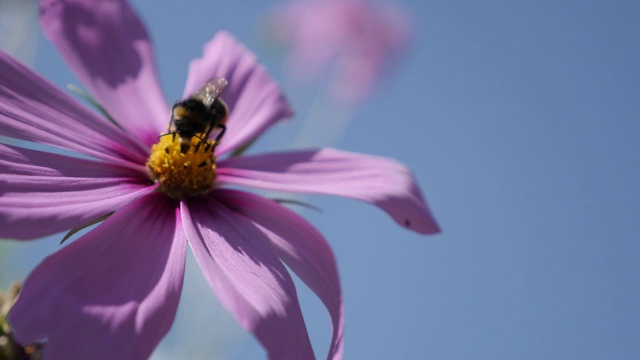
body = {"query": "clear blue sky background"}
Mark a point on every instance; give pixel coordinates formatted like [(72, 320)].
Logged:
[(521, 120)]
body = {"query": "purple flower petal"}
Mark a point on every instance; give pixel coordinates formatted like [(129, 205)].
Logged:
[(383, 182), (113, 293), (107, 46), (43, 193), (353, 50), (254, 98), (248, 278), (33, 109), (302, 248)]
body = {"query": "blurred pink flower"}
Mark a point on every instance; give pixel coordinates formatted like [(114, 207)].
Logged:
[(113, 292), (356, 41)]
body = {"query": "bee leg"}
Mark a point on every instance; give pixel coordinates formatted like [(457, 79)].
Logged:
[(169, 127), (185, 144), (170, 133), (223, 128), (202, 140)]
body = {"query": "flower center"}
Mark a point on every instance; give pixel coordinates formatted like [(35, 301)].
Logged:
[(180, 174)]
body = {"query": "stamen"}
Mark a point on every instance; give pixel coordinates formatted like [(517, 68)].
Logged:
[(180, 174)]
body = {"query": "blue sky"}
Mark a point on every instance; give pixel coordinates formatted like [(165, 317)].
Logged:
[(521, 121)]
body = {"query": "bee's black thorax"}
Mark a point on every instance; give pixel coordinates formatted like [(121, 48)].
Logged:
[(200, 115), (190, 117)]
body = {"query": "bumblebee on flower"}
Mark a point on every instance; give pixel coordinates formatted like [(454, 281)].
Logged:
[(123, 311)]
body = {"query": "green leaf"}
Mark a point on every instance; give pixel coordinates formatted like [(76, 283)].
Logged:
[(299, 203), (92, 222), (93, 102)]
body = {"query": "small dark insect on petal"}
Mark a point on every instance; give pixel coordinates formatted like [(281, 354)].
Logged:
[(407, 223)]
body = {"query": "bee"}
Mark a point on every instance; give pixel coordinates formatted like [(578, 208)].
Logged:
[(201, 113)]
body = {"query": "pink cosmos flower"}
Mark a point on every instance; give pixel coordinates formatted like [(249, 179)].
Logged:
[(113, 292), (355, 40)]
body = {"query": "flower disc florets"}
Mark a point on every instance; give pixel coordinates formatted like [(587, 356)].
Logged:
[(182, 174)]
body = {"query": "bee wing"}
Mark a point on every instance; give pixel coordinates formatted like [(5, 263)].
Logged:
[(211, 90)]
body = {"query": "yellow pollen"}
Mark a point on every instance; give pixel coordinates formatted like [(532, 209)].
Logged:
[(182, 174)]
